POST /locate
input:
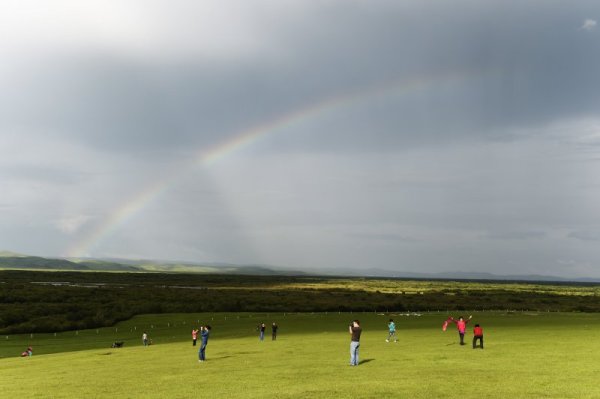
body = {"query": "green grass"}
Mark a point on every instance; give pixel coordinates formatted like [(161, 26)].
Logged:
[(527, 355)]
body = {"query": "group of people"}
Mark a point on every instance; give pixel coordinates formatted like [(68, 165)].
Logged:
[(261, 331), (204, 333), (461, 324), (354, 329)]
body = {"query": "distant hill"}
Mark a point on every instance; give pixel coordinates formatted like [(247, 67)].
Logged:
[(11, 260), (39, 263), (107, 266), (152, 265), (457, 276), (36, 262), (9, 254)]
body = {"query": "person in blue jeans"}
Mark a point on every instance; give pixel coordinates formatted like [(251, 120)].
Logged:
[(262, 328), (204, 334), (355, 332)]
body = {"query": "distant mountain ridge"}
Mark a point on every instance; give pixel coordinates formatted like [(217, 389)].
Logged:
[(12, 260), (39, 263), (10, 254), (466, 276)]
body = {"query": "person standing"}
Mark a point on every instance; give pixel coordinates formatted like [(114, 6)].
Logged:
[(204, 334), (355, 331), (461, 325), (274, 328), (477, 335), (392, 331), (145, 338), (262, 328), (194, 336)]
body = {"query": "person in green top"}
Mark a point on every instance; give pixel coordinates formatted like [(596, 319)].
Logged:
[(392, 331)]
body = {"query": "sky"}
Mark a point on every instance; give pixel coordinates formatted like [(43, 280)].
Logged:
[(315, 135)]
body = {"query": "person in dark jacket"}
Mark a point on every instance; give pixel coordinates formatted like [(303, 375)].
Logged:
[(355, 331), (274, 328)]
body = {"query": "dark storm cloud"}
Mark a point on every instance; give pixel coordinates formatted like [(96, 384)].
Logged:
[(519, 65), (513, 71), (431, 135)]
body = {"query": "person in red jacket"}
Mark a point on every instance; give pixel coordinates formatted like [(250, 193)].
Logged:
[(477, 335), (461, 325), (195, 332)]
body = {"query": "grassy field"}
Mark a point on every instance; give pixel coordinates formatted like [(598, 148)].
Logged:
[(527, 355)]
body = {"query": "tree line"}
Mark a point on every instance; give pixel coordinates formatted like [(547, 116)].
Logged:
[(60, 301)]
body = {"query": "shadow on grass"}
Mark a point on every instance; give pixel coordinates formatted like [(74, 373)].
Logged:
[(221, 357), (365, 361)]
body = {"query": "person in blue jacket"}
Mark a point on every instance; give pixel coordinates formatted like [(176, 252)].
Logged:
[(204, 334)]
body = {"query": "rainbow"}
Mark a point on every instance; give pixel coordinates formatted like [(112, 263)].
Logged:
[(205, 158)]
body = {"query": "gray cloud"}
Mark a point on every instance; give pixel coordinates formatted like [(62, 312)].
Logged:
[(515, 235), (525, 73), (419, 136), (585, 235), (399, 238), (589, 25)]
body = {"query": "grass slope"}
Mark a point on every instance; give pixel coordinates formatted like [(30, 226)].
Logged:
[(545, 355)]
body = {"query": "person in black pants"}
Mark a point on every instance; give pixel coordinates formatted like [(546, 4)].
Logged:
[(477, 335), (274, 328)]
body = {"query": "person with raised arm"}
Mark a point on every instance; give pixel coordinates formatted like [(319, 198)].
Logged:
[(461, 326), (355, 331), (204, 334)]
